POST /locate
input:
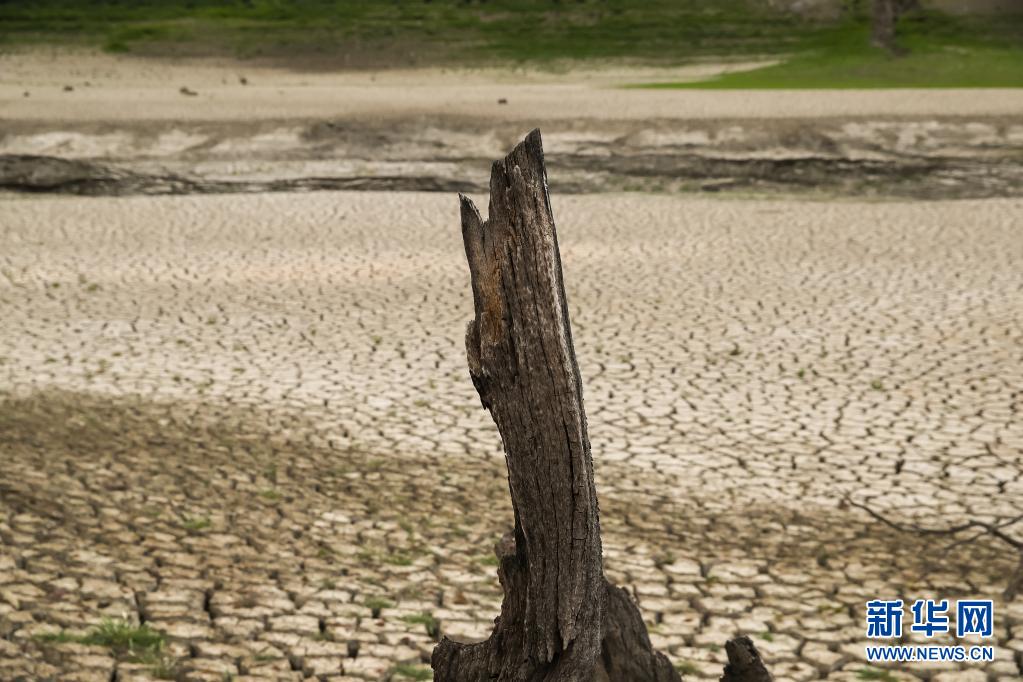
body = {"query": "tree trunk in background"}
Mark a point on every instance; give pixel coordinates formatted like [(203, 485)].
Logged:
[(560, 619), (884, 18)]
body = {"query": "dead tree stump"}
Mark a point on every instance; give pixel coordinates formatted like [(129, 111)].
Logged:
[(560, 619)]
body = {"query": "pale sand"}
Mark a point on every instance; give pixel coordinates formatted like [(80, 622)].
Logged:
[(131, 89)]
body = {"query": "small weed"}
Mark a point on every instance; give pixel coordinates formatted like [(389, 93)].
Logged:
[(270, 495), (376, 605), (489, 560), (426, 620), (62, 637), (127, 641), (413, 672), (875, 674), (687, 668), (877, 385), (165, 668), (196, 524), (664, 559), (767, 636), (398, 559)]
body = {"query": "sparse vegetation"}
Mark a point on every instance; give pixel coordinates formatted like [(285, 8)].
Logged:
[(398, 559), (876, 674), (376, 605), (412, 672), (196, 524), (687, 668), (125, 640), (427, 620), (489, 560), (942, 51)]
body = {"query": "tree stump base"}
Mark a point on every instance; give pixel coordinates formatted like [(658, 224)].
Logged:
[(560, 619)]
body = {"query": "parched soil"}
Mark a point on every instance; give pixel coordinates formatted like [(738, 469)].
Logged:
[(245, 420)]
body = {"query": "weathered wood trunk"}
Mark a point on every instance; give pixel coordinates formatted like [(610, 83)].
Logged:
[(560, 619)]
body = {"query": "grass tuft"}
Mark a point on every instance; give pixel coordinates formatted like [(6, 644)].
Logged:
[(377, 604), (412, 672), (125, 640), (196, 524), (687, 668), (875, 674), (429, 623)]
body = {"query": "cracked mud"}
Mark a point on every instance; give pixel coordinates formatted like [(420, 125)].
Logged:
[(246, 421)]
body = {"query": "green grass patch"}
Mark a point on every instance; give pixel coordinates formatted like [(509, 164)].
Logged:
[(125, 640), (489, 560), (687, 668), (412, 672), (377, 604), (875, 674), (196, 524), (970, 51), (427, 620), (413, 31), (964, 53), (398, 559)]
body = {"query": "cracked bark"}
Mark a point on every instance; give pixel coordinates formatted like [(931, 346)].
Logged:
[(560, 619)]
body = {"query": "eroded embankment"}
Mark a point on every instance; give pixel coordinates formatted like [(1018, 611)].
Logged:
[(947, 158)]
